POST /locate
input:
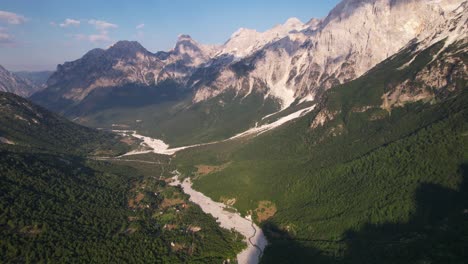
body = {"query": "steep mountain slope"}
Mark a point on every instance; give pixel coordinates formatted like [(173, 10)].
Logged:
[(377, 173), (353, 38), (25, 125), (10, 82)]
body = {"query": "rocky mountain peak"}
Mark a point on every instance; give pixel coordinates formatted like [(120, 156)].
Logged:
[(242, 32), (184, 37), (313, 23), (185, 44), (190, 52), (125, 48), (94, 53), (293, 23), (246, 41)]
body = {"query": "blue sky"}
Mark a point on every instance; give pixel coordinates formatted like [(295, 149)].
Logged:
[(38, 35)]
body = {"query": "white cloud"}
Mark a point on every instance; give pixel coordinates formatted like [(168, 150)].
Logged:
[(78, 36), (12, 18), (140, 26), (70, 22), (5, 38), (99, 38), (102, 37), (102, 25), (102, 34)]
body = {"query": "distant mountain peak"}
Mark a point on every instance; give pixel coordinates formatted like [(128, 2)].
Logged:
[(245, 41), (243, 31), (313, 22), (192, 52), (94, 53), (125, 47), (293, 22), (186, 45), (186, 41), (183, 37), (126, 44)]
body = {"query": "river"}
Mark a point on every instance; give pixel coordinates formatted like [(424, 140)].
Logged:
[(254, 237), (153, 145), (253, 234)]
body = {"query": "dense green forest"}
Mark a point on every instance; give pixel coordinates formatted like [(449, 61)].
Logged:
[(371, 185), (59, 203), (181, 123), (348, 200), (59, 208), (30, 126)]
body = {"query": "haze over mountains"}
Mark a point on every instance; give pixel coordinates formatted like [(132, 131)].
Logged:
[(22, 83), (10, 82), (38, 78)]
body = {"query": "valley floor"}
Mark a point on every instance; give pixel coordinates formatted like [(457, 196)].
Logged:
[(226, 218), (158, 146), (229, 220)]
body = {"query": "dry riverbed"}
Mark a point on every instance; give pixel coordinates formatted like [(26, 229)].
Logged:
[(229, 219), (254, 236)]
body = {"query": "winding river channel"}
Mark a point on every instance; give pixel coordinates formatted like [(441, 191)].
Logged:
[(254, 237), (256, 240)]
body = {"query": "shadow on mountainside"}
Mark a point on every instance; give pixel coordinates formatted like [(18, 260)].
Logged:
[(129, 96), (436, 233)]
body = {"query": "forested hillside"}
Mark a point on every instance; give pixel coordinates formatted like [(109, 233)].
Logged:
[(357, 181), (59, 204), (24, 124)]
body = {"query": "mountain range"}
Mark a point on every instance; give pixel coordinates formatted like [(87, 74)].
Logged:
[(266, 71)]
